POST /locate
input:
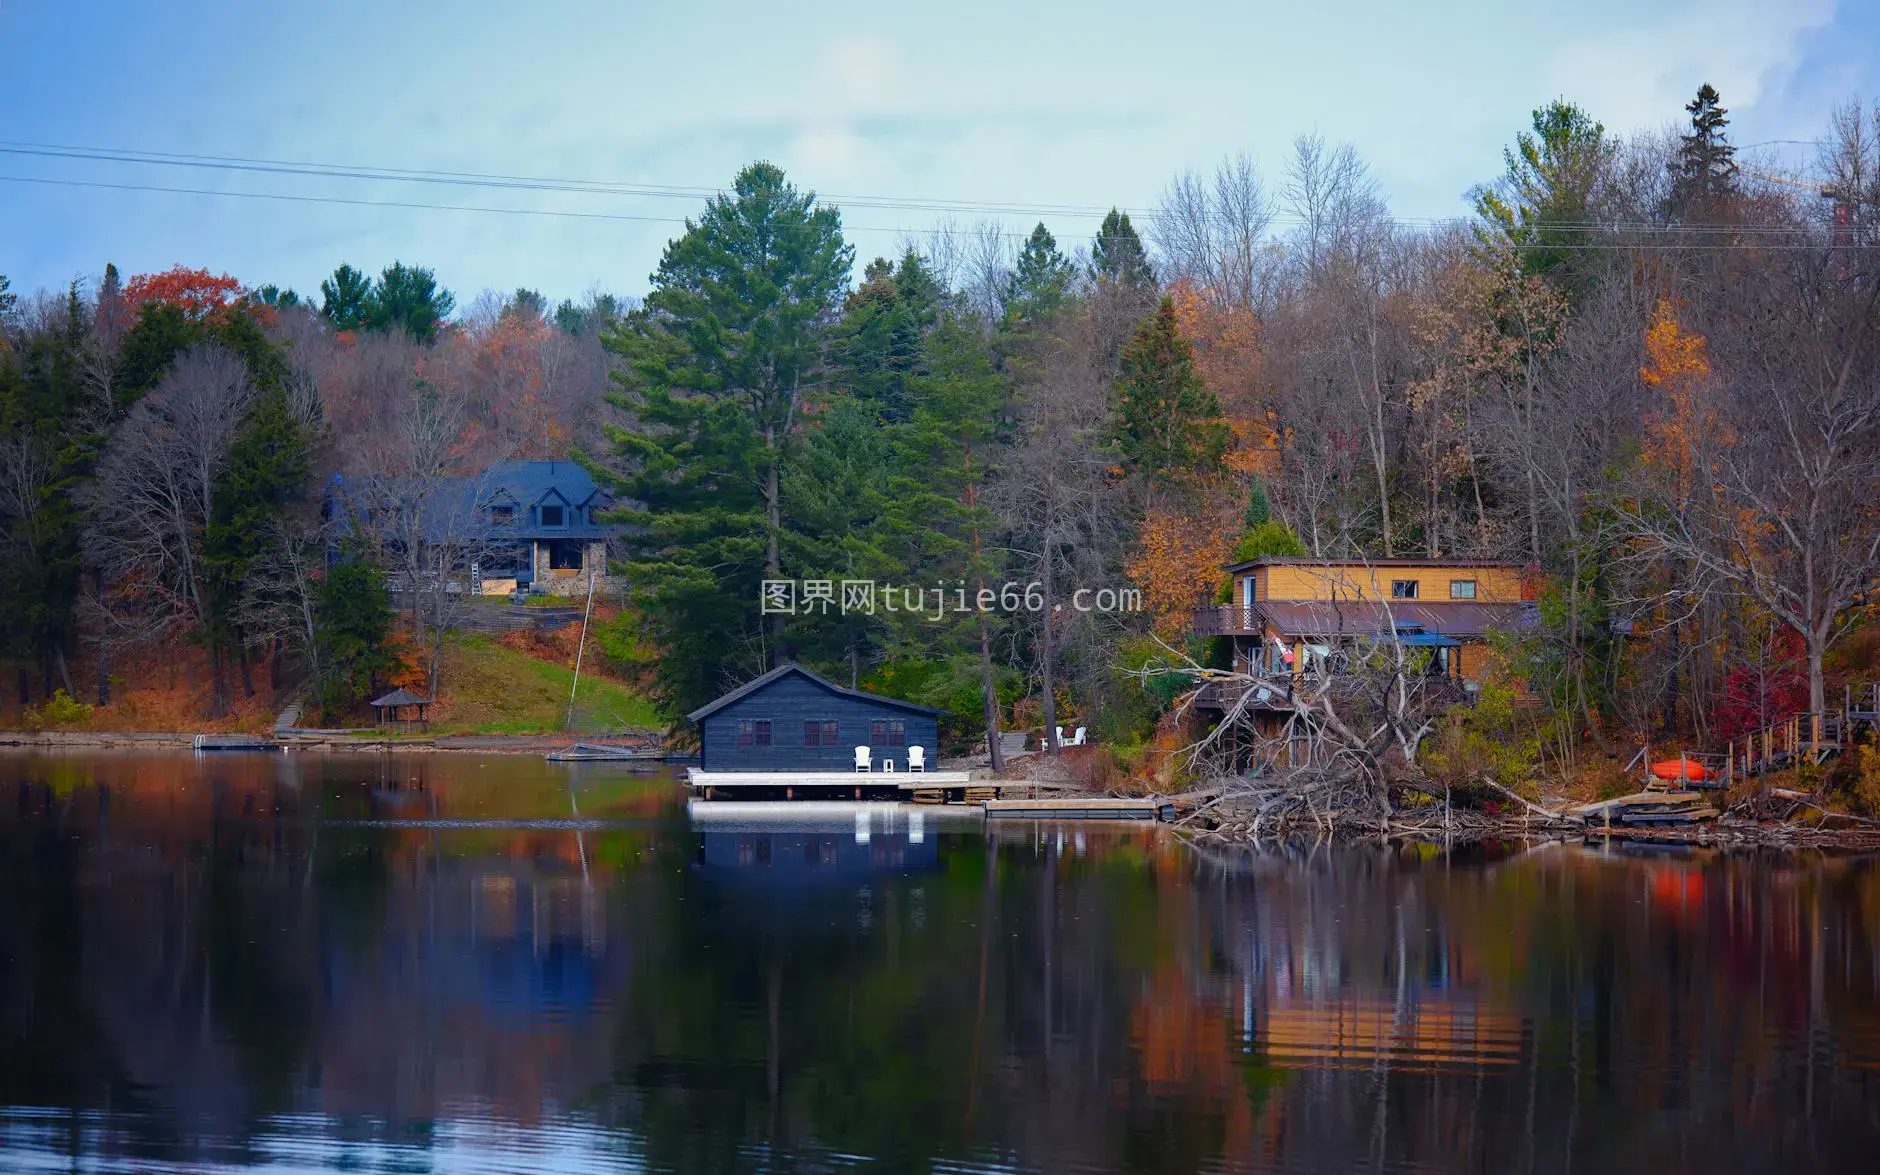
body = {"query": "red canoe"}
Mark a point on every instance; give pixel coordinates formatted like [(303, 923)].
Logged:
[(1681, 769)]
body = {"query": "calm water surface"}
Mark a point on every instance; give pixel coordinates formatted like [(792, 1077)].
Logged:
[(444, 964)]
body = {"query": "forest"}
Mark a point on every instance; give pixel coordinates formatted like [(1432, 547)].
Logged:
[(1643, 368)]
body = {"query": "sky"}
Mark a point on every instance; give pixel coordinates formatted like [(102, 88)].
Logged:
[(1052, 110)]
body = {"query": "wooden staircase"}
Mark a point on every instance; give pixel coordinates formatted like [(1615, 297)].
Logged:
[(1795, 740)]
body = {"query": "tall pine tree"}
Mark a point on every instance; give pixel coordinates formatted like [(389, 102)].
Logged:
[(1117, 254), (718, 360), (1041, 281), (1704, 174), (1168, 423)]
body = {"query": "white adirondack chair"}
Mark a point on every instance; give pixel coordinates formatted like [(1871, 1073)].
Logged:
[(1077, 739), (861, 759), (917, 758)]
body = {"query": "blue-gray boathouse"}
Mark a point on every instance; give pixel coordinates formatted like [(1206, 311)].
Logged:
[(791, 719)]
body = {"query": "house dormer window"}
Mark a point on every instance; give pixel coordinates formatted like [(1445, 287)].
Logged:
[(501, 514), (554, 516)]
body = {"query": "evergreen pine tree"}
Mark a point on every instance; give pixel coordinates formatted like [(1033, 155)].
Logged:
[(1118, 256), (1041, 281), (353, 628), (1168, 423), (1541, 210), (345, 298), (408, 298), (717, 364), (1703, 176), (1259, 510), (875, 352)]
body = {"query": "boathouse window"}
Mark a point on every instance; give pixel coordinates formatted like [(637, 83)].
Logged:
[(1403, 589), (554, 516), (819, 734), (1462, 589), (753, 732), (502, 514), (890, 732)]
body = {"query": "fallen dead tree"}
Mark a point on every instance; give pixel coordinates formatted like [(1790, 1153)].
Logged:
[(1333, 752), (1338, 801)]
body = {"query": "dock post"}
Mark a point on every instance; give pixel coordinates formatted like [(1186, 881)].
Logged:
[(1814, 749)]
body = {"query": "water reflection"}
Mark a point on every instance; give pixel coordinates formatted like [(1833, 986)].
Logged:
[(458, 963)]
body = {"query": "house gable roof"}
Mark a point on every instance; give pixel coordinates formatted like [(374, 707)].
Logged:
[(757, 683)]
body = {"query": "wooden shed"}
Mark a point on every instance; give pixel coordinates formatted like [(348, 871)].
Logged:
[(791, 719)]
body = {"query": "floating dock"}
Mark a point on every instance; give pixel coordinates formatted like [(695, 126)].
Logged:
[(234, 742)]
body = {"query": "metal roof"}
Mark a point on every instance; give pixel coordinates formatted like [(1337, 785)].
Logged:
[(1453, 618), (1361, 564), (755, 684)]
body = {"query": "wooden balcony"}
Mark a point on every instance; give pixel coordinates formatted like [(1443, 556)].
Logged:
[(1227, 620)]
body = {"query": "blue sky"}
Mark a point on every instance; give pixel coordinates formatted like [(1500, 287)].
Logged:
[(1087, 104)]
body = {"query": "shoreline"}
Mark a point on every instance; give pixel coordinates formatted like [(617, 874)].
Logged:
[(1714, 834), (488, 744), (1214, 833)]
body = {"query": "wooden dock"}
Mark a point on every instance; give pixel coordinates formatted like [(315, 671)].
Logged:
[(906, 781), (1666, 807), (1079, 808)]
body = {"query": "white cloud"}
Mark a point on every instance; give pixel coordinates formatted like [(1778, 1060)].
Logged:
[(1637, 78)]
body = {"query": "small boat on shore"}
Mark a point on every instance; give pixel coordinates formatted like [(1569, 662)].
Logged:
[(604, 753)]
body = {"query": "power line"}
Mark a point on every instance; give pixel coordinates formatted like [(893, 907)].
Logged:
[(512, 182), (597, 187)]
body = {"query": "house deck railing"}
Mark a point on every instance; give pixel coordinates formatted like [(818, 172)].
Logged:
[(1227, 620)]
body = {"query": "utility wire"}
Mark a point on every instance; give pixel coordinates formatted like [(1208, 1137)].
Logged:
[(1734, 233), (693, 192)]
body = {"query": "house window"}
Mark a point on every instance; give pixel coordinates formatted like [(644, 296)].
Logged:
[(744, 732), (554, 516), (502, 514), (763, 731), (1462, 589), (819, 734), (753, 732), (1403, 589), (888, 732)]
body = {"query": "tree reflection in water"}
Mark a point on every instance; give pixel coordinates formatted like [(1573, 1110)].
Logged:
[(277, 961)]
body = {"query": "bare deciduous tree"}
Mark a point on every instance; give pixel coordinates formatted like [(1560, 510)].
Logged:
[(151, 503)]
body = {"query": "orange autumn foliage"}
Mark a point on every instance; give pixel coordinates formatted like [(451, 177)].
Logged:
[(1178, 562), (1227, 357), (200, 294), (1678, 366)]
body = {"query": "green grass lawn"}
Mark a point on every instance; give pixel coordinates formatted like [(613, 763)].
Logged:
[(492, 689)]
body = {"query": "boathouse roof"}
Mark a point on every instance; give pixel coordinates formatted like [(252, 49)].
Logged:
[(789, 668)]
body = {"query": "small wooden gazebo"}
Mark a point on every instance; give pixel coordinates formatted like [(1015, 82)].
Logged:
[(388, 708)]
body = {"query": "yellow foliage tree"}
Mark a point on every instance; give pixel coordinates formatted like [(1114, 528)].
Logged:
[(1178, 560)]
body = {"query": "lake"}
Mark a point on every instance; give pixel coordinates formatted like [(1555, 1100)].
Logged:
[(451, 963)]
